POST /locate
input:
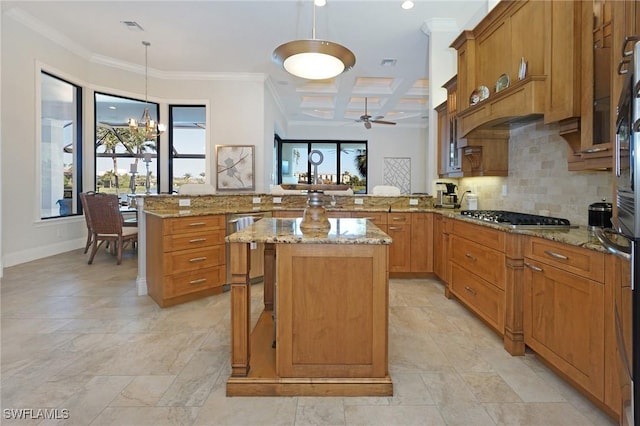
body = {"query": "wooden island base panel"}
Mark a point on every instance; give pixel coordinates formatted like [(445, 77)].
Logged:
[(331, 310)]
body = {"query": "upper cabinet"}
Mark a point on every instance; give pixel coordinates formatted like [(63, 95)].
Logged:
[(554, 60), (449, 164)]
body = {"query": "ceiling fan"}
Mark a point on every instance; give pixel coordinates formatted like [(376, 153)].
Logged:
[(367, 119)]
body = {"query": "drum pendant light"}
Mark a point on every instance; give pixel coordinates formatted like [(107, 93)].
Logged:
[(314, 59)]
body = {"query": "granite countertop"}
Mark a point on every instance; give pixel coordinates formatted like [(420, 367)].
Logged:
[(580, 236), (169, 213), (287, 231)]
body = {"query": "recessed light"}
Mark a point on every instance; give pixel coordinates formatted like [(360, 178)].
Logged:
[(320, 3), (407, 4)]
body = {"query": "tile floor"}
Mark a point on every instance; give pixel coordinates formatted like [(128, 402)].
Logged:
[(76, 337)]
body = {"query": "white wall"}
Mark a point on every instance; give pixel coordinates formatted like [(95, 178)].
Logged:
[(238, 109), (383, 141)]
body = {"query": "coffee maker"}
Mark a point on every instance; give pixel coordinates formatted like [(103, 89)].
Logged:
[(448, 198)]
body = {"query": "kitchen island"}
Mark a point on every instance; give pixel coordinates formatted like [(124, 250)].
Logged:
[(330, 307)]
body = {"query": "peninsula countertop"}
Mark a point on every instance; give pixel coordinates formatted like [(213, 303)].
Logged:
[(287, 231)]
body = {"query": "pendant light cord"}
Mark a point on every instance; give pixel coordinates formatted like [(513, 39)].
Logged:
[(313, 27), (146, 69)]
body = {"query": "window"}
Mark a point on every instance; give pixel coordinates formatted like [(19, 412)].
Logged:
[(343, 162), (123, 158), (60, 146), (187, 144)]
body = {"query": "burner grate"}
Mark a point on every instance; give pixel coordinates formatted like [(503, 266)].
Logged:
[(517, 220)]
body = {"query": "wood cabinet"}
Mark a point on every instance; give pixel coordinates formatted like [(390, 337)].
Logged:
[(440, 239), (421, 243), (592, 145), (185, 257), (399, 229), (565, 310), (477, 271), (449, 160)]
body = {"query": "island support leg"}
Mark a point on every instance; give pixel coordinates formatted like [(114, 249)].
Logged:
[(269, 275), (240, 309)]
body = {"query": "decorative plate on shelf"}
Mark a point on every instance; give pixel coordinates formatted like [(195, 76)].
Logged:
[(474, 98), (502, 83), (483, 92)]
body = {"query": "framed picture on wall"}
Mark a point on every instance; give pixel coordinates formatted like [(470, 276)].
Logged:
[(235, 167)]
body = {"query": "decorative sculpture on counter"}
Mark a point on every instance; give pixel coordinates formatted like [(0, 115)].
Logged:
[(315, 216)]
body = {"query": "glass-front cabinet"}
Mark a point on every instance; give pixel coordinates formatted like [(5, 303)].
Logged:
[(449, 164)]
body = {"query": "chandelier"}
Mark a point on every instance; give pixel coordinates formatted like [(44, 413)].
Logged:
[(314, 59), (146, 127)]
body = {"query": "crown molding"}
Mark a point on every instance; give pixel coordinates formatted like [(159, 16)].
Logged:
[(439, 25)]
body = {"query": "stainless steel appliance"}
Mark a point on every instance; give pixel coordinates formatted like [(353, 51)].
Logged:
[(626, 221), (515, 220)]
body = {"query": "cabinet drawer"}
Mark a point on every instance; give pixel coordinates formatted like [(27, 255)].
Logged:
[(398, 218), (194, 224), (580, 261), (194, 281), (378, 218), (190, 260), (487, 263), (483, 298), (480, 234), (193, 240)]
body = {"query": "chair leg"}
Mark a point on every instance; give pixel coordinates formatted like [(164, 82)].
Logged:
[(89, 241), (94, 249), (119, 248)]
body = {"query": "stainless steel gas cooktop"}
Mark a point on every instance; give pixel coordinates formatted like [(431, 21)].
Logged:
[(516, 220)]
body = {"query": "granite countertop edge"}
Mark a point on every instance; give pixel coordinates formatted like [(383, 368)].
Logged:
[(574, 236)]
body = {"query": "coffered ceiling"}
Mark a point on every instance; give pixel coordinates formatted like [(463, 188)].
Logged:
[(235, 39)]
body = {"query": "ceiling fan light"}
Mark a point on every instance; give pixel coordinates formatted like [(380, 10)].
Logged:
[(314, 59)]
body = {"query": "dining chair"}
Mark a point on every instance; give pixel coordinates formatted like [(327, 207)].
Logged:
[(85, 210), (106, 224)]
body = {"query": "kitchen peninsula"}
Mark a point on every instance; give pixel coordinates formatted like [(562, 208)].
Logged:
[(331, 311)]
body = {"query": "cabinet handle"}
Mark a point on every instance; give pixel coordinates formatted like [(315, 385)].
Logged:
[(197, 224), (627, 40), (394, 228), (594, 150), (470, 256), (535, 268), (470, 290), (199, 281), (556, 255), (623, 66), (198, 259), (198, 240), (398, 219)]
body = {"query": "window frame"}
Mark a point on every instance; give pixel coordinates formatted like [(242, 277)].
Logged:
[(171, 142), (310, 142), (76, 149), (158, 151)]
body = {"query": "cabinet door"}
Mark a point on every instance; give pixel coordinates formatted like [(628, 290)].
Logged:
[(400, 249), (438, 247), (564, 323), (421, 242)]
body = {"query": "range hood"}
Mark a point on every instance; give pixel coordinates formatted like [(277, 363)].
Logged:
[(520, 103)]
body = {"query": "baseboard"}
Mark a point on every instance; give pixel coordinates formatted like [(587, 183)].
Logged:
[(40, 252)]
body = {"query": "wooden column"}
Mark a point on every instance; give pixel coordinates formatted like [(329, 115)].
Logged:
[(240, 308), (269, 275), (514, 295)]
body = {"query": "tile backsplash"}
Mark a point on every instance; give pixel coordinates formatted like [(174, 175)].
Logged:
[(538, 178)]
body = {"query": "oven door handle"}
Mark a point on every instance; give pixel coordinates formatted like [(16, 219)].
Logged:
[(617, 249)]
